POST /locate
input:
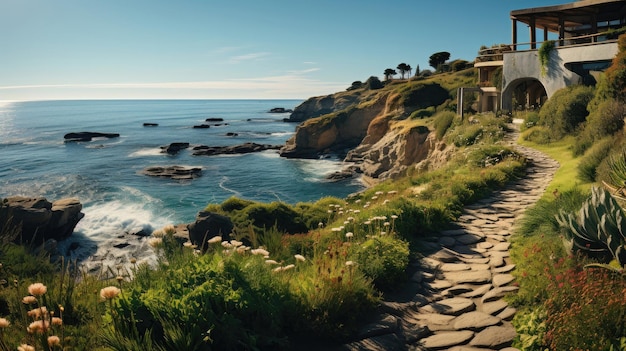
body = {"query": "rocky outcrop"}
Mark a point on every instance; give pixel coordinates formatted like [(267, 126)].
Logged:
[(173, 172), (280, 110), (389, 155), (37, 219), (88, 136), (333, 132), (174, 148), (208, 225), (322, 105), (244, 148)]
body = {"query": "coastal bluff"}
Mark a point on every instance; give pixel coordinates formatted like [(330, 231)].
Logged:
[(370, 128)]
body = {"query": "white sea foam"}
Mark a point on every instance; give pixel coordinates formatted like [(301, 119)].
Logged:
[(223, 186), (147, 152)]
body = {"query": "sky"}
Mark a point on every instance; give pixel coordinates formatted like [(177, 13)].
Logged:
[(231, 49)]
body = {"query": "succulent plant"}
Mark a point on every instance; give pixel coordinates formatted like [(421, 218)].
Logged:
[(598, 229)]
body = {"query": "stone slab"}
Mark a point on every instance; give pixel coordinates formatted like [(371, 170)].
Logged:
[(474, 320), (447, 339), (495, 337), (502, 279), (452, 306), (474, 277)]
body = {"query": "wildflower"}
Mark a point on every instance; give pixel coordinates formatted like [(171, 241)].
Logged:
[(374, 197), (386, 224), (336, 229), (350, 219), (320, 225), (340, 212), (54, 340), (288, 267), (155, 242), (260, 251), (236, 243), (357, 201), (367, 222), (379, 193), (337, 206), (4, 323), (349, 235), (392, 192), (349, 263), (29, 300), (383, 233), (56, 321), (299, 258), (242, 249), (366, 205), (39, 326), (169, 229), (37, 289), (331, 205), (329, 211), (346, 222), (357, 211), (37, 312), (278, 269), (133, 260), (25, 347), (226, 244), (215, 240), (109, 292), (159, 233), (342, 227), (385, 202), (119, 278), (271, 262), (187, 244), (394, 217)]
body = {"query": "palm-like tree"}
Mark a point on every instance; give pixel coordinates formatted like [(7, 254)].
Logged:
[(409, 69), (390, 73), (402, 68)]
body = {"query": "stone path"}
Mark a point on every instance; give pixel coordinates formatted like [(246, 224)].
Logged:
[(455, 299)]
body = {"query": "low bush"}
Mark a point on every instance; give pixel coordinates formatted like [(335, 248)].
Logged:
[(443, 121), (593, 158), (565, 110), (383, 259)]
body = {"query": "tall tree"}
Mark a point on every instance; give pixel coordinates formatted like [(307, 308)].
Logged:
[(417, 70), (402, 68), (409, 69), (438, 58), (389, 72)]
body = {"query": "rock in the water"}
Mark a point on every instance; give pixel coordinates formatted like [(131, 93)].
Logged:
[(214, 119), (231, 134), (281, 110), (202, 126), (207, 226), (174, 148), (88, 136), (174, 172), (245, 148), (150, 124), (38, 220)]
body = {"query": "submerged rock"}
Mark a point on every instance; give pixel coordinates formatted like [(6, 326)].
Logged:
[(214, 119), (280, 110), (88, 136), (174, 148), (245, 148), (174, 172), (150, 124), (202, 126)]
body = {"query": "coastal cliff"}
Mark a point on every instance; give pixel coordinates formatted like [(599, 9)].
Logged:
[(381, 132)]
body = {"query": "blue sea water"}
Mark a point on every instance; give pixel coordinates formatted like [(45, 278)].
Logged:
[(105, 174)]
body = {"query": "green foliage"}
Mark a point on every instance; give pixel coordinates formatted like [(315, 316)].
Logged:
[(544, 54), (357, 84), (383, 259), (606, 118), (459, 65), (437, 59), (616, 73), (373, 83), (531, 119), (422, 113), (592, 159), (531, 330), (443, 121), (565, 110), (235, 204), (599, 228), (490, 155), (617, 170), (422, 95), (496, 78)]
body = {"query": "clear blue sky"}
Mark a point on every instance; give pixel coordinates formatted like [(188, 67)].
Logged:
[(155, 49)]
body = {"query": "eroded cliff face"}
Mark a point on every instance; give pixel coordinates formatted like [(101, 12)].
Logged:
[(373, 130), (322, 105)]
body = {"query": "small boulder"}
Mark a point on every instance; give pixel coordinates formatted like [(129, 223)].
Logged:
[(150, 124), (202, 126), (88, 136), (174, 148), (214, 119), (207, 226), (174, 172)]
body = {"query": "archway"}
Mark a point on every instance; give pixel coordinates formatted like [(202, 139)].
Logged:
[(524, 93)]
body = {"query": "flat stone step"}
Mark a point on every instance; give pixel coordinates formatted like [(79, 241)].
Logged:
[(494, 307), (452, 306), (447, 339), (454, 267), (505, 269), (494, 337), (474, 320), (474, 277), (502, 279)]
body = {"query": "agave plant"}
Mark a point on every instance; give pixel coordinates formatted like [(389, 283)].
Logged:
[(598, 229), (617, 171)]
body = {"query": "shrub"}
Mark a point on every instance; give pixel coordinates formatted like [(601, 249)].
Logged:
[(565, 110), (530, 120), (421, 113), (383, 259), (266, 216), (443, 121), (373, 83), (592, 159), (423, 95), (235, 204), (605, 119), (585, 310)]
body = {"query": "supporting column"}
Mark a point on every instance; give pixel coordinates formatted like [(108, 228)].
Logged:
[(514, 35), (533, 34), (459, 102), (545, 34), (561, 31)]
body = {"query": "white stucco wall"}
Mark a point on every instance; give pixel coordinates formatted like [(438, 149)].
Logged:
[(522, 65)]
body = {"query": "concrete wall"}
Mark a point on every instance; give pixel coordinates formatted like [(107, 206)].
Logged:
[(524, 65)]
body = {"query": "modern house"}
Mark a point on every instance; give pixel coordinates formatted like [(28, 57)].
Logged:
[(576, 41)]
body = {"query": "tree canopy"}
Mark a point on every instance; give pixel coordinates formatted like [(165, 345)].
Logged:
[(438, 58), (389, 72), (403, 68)]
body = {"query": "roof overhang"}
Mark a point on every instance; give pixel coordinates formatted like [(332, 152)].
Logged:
[(574, 14)]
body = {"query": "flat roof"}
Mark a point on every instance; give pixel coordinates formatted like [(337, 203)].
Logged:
[(574, 14)]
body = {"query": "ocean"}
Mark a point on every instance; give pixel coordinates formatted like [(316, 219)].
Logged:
[(105, 174)]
